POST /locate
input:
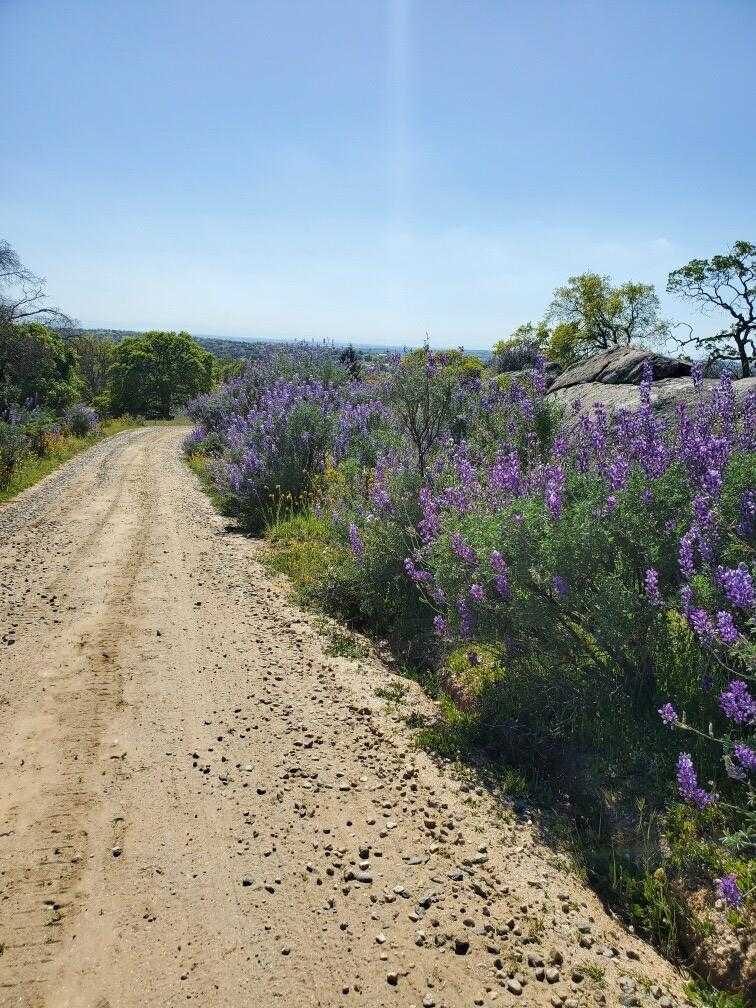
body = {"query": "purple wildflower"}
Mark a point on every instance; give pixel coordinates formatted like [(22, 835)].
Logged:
[(554, 490), (737, 585), (685, 555), (476, 593), (466, 620), (687, 783), (669, 715), (701, 623), (415, 574), (727, 890), (617, 472), (498, 563), (505, 475), (745, 756), (355, 541), (728, 632), (464, 551), (737, 703), (440, 625), (651, 583)]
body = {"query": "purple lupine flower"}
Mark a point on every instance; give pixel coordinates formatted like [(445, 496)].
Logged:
[(560, 585), (415, 574), (651, 584), (737, 584), (465, 469), (669, 715), (505, 476), (458, 498), (355, 541), (466, 619), (685, 555), (465, 552), (430, 524), (379, 497), (194, 439), (501, 581), (498, 563), (728, 890), (728, 632), (617, 472), (686, 593), (747, 512), (746, 756), (554, 490), (687, 783), (539, 375), (737, 703), (701, 624), (702, 512), (440, 626), (476, 593)]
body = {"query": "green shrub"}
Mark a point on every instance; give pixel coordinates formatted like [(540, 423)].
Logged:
[(14, 446)]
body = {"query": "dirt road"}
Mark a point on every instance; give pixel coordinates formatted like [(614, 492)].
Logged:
[(198, 804)]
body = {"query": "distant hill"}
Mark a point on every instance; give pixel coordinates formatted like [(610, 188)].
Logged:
[(240, 349)]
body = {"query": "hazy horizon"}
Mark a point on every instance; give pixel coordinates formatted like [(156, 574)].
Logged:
[(369, 172)]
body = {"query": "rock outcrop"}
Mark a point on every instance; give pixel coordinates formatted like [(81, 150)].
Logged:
[(621, 366), (665, 396), (613, 379)]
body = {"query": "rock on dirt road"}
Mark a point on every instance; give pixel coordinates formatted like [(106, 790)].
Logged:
[(199, 805)]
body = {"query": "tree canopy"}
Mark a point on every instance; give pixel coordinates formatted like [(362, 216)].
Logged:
[(36, 368), (157, 373), (726, 282), (586, 316), (93, 355), (592, 316)]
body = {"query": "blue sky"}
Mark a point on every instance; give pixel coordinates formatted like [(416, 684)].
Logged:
[(369, 170)]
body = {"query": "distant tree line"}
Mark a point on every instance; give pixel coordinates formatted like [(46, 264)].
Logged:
[(47, 361)]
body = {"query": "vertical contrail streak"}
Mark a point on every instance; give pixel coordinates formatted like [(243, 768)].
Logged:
[(398, 112), (398, 152)]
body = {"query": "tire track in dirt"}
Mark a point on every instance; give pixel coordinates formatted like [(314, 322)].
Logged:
[(44, 816)]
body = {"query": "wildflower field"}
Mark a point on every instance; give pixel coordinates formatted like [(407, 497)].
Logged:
[(581, 603)]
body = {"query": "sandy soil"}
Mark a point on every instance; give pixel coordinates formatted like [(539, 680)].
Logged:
[(198, 804)]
